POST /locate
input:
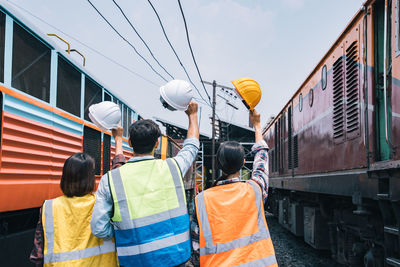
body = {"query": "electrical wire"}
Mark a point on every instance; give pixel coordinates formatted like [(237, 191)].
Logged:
[(191, 50), (129, 43), (143, 41), (173, 49), (85, 45)]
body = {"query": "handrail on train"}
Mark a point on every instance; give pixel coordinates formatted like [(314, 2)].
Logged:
[(69, 46), (84, 59)]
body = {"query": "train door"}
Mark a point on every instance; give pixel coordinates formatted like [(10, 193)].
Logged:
[(382, 78)]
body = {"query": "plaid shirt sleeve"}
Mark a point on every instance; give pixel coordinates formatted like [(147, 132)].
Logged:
[(260, 166), (118, 161), (37, 252), (194, 232)]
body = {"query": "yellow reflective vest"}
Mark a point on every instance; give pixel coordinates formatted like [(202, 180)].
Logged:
[(68, 240)]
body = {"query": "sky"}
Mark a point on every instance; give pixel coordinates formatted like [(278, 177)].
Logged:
[(277, 43)]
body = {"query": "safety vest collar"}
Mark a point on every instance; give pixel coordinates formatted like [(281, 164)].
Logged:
[(50, 256), (210, 248), (126, 221)]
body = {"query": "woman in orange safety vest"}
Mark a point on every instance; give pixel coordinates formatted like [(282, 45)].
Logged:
[(232, 229), (63, 236)]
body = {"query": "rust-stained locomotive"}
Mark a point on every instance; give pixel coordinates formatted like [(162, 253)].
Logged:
[(335, 146)]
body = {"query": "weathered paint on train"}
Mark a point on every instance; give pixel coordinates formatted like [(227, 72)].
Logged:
[(36, 141), (313, 124)]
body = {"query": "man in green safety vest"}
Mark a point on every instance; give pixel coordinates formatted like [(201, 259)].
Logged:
[(142, 203)]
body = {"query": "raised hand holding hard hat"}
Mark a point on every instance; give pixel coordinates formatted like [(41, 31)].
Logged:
[(106, 115), (176, 95), (249, 91)]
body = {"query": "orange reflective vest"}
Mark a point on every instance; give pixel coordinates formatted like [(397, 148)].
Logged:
[(233, 229), (68, 240)]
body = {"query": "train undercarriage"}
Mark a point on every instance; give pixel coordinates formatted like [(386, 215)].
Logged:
[(358, 230)]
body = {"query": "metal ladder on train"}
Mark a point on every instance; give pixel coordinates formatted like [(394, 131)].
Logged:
[(390, 211), (199, 169)]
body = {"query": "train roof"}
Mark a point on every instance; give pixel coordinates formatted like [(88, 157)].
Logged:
[(19, 17), (323, 59)]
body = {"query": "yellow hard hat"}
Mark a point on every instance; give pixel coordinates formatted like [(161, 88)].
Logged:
[(249, 90)]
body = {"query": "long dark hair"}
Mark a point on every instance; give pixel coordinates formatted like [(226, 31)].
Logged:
[(230, 156), (78, 175)]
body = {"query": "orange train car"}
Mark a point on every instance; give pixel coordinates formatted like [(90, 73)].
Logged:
[(44, 100), (335, 146)]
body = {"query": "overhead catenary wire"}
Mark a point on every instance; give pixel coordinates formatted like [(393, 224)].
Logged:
[(191, 50), (173, 49), (140, 37), (85, 45), (129, 43)]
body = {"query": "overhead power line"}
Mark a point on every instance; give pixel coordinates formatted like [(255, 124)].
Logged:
[(143, 41), (85, 45), (129, 43), (176, 55), (191, 50)]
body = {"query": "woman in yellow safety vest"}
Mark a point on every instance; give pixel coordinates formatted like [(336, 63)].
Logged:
[(232, 229), (63, 236)]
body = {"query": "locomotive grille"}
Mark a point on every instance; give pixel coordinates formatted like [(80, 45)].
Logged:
[(290, 142), (295, 152), (92, 146), (352, 92), (106, 153), (338, 103)]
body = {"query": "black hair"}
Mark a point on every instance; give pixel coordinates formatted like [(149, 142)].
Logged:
[(230, 156), (143, 135), (78, 175)]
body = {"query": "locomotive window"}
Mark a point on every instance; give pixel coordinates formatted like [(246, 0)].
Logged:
[(92, 95), (129, 120), (125, 120), (301, 102), (115, 100), (30, 64), (311, 97), (2, 44), (106, 153), (324, 76), (1, 114), (68, 87), (107, 97), (92, 146)]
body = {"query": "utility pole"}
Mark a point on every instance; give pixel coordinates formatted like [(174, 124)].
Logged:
[(214, 103), (214, 84)]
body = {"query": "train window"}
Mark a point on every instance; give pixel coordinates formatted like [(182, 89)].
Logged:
[(68, 87), (129, 119), (92, 95), (106, 153), (311, 97), (1, 114), (115, 100), (107, 97), (30, 64), (324, 76), (2, 44), (125, 120), (92, 146), (301, 102)]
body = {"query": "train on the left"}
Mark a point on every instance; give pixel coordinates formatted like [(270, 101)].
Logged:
[(44, 101)]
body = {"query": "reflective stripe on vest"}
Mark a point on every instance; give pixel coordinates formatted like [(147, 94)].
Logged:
[(127, 222), (50, 256), (262, 234)]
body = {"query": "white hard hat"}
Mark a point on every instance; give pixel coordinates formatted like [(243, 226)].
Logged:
[(106, 115), (176, 95)]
